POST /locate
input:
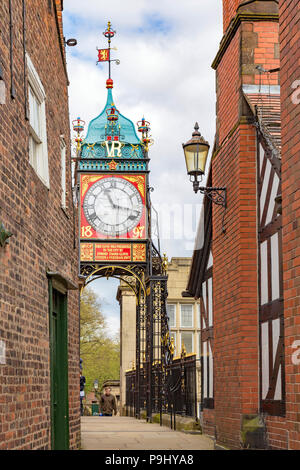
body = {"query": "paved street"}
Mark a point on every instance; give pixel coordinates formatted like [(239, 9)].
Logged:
[(123, 433)]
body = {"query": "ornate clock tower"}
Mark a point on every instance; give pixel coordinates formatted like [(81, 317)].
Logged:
[(115, 230), (114, 212)]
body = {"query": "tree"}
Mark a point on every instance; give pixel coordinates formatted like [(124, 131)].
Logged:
[(100, 354), (92, 321)]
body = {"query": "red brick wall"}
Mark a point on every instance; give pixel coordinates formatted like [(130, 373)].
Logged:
[(259, 47), (235, 287), (266, 53), (58, 12), (277, 433), (43, 236), (209, 422), (290, 117), (254, 43), (228, 89), (229, 11)]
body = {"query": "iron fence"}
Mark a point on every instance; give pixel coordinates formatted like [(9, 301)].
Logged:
[(178, 396), (182, 386), (130, 389), (132, 394)]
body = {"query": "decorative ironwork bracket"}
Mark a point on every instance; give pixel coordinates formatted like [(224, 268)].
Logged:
[(216, 195)]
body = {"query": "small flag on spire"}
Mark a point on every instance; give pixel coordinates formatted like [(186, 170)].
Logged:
[(103, 55)]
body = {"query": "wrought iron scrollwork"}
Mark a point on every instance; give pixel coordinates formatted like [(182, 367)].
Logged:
[(90, 272), (216, 195)]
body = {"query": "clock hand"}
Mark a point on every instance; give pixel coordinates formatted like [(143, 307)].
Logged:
[(107, 193), (124, 208), (129, 209)]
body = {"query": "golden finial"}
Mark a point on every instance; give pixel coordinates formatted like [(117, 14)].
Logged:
[(183, 350), (172, 345), (144, 128), (78, 127), (165, 263)]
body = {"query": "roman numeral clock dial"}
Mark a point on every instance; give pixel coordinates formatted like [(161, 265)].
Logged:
[(113, 206)]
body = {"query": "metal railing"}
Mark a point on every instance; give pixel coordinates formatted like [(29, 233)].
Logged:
[(180, 397)]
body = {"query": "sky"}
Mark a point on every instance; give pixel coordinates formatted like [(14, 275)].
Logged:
[(165, 48)]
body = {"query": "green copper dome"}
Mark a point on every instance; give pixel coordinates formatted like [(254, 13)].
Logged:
[(96, 129), (112, 135)]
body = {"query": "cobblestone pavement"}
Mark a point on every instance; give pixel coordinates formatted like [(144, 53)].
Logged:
[(123, 433)]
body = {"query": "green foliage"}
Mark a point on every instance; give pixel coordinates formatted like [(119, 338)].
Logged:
[(100, 353)]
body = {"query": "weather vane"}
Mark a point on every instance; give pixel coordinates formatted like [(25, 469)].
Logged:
[(104, 55)]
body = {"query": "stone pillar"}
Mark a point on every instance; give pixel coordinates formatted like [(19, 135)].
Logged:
[(127, 302)]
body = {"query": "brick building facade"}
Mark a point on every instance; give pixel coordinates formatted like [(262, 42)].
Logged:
[(253, 400), (289, 20), (39, 313)]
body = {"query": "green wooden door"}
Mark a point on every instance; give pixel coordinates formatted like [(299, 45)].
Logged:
[(59, 369)]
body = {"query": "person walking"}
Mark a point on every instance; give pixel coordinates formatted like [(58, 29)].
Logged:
[(108, 403), (82, 384)]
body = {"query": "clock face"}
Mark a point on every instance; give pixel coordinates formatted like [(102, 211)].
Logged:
[(113, 206)]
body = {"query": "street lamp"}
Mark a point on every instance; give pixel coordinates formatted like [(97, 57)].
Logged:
[(96, 385), (196, 152)]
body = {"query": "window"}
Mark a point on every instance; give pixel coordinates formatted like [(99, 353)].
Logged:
[(187, 340), (171, 311), (63, 174), (38, 152), (186, 316)]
